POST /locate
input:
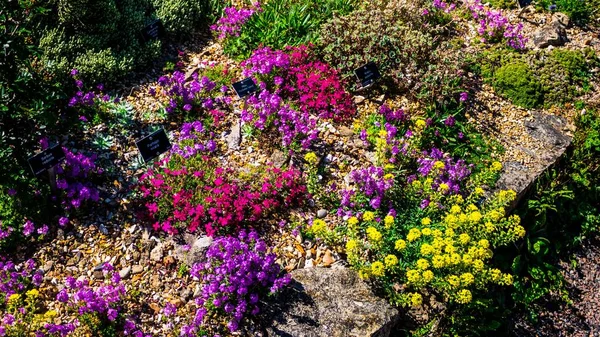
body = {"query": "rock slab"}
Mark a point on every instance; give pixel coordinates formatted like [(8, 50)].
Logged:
[(330, 302)]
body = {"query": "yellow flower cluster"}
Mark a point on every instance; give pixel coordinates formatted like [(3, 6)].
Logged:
[(373, 234), (311, 158), (368, 216), (388, 221), (377, 268), (318, 226)]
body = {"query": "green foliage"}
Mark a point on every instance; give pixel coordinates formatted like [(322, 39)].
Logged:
[(517, 82), (504, 4), (578, 10), (538, 78), (100, 38), (285, 23), (181, 16), (561, 211)]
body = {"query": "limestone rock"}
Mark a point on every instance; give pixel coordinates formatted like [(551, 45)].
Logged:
[(549, 35), (234, 139), (330, 303), (197, 248)]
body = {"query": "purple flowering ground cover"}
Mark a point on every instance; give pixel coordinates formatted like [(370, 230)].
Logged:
[(399, 185)]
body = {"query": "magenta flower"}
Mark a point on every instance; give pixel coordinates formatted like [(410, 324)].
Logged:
[(464, 96)]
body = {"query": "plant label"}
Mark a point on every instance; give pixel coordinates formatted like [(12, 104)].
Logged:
[(153, 145), (152, 31), (46, 159), (367, 74), (244, 87)]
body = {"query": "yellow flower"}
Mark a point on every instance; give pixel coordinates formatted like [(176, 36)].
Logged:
[(388, 221), (416, 184), (455, 209), (519, 231), (389, 167), (449, 232), (426, 231), (478, 264), (413, 234), (14, 297), (412, 276), (388, 176), (439, 165), (438, 261), (377, 268), (416, 299), (426, 249), (462, 218), (368, 216), (489, 227), (495, 274), (391, 260), (420, 124), (464, 238), (464, 296), (479, 191), (472, 208), (507, 279), (443, 187), (450, 249), (426, 221), (496, 166), (32, 293), (351, 245), (437, 233), (467, 259), (353, 221), (318, 226), (475, 217), (454, 281), (455, 258), (373, 234), (467, 279), (311, 158), (51, 313), (483, 243), (400, 245), (427, 276), (422, 264), (363, 274)]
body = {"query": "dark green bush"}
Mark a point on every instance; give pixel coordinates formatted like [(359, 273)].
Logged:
[(379, 35), (517, 82), (538, 78), (505, 4), (101, 38), (578, 10), (181, 16), (285, 22)]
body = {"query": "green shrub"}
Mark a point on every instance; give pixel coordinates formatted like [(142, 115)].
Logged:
[(538, 78), (181, 16), (578, 10), (505, 4), (517, 82), (101, 38), (285, 22), (381, 36)]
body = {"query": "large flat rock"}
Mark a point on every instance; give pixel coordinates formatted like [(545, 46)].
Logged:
[(330, 302)]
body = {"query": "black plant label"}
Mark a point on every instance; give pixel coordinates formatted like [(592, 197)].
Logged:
[(244, 87), (367, 74), (46, 159), (152, 31), (153, 145)]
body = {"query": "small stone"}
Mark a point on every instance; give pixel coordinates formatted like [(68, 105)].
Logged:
[(358, 99), (321, 213), (157, 253), (137, 269), (48, 266), (309, 263), (328, 259), (125, 272), (278, 158), (234, 139), (345, 131), (98, 274)]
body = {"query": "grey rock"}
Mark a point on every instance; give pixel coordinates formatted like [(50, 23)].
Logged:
[(561, 20), (157, 253), (548, 131), (321, 213), (125, 272), (197, 249), (278, 158), (549, 36), (330, 303), (346, 131), (234, 139)]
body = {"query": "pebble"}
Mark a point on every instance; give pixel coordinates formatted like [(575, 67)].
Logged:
[(125, 272), (137, 269), (321, 213)]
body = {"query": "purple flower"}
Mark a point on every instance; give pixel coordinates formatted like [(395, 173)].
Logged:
[(43, 230), (63, 221), (28, 228), (12, 192), (79, 84), (74, 72), (464, 96)]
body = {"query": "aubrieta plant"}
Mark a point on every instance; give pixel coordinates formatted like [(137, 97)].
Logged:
[(495, 27), (233, 19), (237, 274), (188, 190)]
